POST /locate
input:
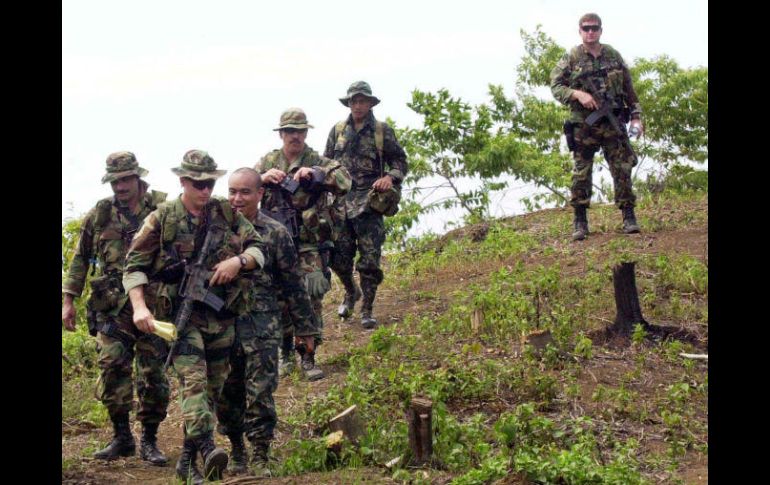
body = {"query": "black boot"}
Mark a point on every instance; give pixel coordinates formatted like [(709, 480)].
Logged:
[(259, 459), (238, 456), (307, 361), (214, 459), (185, 467), (148, 445), (369, 291), (352, 295), (581, 223), (122, 443), (629, 220), (288, 358)]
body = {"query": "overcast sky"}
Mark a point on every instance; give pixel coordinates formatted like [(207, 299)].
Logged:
[(162, 77)]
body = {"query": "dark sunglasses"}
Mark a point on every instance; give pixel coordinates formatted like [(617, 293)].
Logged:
[(591, 28), (203, 184)]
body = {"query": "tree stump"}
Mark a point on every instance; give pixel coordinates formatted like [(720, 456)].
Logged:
[(419, 417), (347, 422), (629, 312)]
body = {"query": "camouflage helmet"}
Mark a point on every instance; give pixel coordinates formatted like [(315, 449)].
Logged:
[(198, 165), (293, 118), (360, 87), (122, 164)]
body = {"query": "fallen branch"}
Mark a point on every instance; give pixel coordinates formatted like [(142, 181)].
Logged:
[(695, 356)]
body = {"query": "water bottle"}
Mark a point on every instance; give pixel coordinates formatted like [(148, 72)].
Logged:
[(634, 131)]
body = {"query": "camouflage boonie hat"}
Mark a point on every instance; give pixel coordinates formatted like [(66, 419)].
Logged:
[(198, 165), (293, 118), (122, 164), (359, 87)]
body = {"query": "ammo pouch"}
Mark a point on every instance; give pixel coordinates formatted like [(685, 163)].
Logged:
[(105, 293), (385, 203), (569, 133)]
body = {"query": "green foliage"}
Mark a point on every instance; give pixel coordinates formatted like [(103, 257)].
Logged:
[(521, 136)]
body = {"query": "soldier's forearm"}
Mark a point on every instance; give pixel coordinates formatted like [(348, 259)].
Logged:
[(136, 295)]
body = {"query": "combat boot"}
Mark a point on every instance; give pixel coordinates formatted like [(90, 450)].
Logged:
[(185, 467), (367, 321), (312, 372), (581, 223), (288, 359), (148, 445), (238, 456), (259, 459), (214, 459), (352, 295), (122, 443), (629, 220)]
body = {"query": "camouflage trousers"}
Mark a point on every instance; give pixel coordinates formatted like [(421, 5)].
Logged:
[(246, 404), (118, 341), (365, 234), (202, 363), (620, 158), (309, 261)]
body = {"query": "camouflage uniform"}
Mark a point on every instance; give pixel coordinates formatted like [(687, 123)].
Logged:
[(313, 219), (363, 229), (610, 75), (246, 403), (202, 357), (105, 235)]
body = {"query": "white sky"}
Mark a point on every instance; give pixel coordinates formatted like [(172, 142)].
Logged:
[(161, 77)]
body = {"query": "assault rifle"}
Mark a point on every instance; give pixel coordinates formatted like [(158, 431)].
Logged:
[(194, 286)]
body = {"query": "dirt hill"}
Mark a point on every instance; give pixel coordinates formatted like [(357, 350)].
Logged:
[(453, 312)]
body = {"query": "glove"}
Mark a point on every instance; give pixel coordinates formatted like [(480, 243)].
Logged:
[(317, 284)]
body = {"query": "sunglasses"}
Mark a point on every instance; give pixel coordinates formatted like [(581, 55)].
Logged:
[(591, 28), (203, 184)]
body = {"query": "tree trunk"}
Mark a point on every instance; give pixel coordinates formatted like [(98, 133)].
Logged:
[(347, 422), (626, 301), (419, 417)]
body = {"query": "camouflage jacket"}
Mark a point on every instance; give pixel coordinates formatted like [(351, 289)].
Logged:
[(357, 151), (168, 235), (281, 278), (105, 235), (314, 223), (610, 74)]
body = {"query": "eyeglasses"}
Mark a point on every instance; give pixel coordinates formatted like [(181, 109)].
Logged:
[(591, 28), (291, 131), (203, 184)]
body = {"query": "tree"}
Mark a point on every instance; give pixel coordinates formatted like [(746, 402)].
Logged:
[(521, 137)]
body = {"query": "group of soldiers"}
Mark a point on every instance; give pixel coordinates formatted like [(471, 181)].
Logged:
[(270, 248)]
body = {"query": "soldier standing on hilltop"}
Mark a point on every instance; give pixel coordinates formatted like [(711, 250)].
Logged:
[(594, 81)]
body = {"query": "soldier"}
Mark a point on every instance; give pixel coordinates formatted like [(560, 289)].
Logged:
[(305, 210), (104, 239), (246, 404), (590, 78), (173, 233), (364, 146)]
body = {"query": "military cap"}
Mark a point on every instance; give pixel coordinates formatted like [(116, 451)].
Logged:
[(293, 118), (198, 165), (122, 164), (360, 87)]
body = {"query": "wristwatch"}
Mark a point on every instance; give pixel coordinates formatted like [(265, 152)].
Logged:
[(243, 260)]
